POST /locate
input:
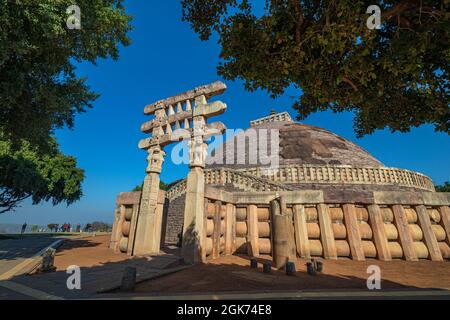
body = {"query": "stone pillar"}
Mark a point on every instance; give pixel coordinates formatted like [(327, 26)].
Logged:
[(301, 232), (326, 232), (230, 229), (353, 234), (445, 221), (379, 233), (114, 234), (132, 232), (118, 229), (406, 241), (194, 215), (148, 228), (252, 231), (428, 235), (283, 240), (216, 232)]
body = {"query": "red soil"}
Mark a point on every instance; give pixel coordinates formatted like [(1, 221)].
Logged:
[(86, 252), (233, 274)]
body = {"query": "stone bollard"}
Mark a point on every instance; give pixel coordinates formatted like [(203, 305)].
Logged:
[(290, 268), (128, 279), (253, 263), (319, 266), (310, 268), (267, 267)]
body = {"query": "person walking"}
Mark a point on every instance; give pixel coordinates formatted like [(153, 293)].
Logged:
[(24, 227)]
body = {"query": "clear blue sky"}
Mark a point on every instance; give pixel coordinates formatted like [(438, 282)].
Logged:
[(166, 58)]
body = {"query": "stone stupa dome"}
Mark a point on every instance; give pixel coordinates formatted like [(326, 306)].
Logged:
[(316, 157), (300, 144)]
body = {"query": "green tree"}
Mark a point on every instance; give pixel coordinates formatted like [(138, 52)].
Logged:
[(40, 91), (443, 188), (52, 226), (34, 228), (27, 173), (98, 226), (162, 186), (395, 77)]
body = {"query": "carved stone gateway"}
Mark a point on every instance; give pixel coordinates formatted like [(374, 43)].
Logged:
[(176, 118)]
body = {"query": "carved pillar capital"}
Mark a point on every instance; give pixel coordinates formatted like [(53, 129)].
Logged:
[(155, 159), (198, 149)]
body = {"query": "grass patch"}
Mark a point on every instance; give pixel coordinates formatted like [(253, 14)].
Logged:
[(7, 236), (4, 236)]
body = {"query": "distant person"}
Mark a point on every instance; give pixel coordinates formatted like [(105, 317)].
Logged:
[(78, 229), (69, 228), (24, 226), (88, 227)]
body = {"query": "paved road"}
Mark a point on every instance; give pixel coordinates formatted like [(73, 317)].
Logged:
[(6, 294), (15, 251)]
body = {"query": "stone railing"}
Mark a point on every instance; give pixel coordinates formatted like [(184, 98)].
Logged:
[(177, 190), (242, 180), (237, 179), (343, 175), (261, 179)]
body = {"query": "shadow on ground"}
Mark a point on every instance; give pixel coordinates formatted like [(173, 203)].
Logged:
[(100, 269), (235, 278), (230, 274), (20, 248)]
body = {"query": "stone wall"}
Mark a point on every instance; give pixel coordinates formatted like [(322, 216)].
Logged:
[(331, 224), (175, 219)]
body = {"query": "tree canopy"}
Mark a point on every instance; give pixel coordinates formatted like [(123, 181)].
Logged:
[(40, 91), (99, 226), (25, 172), (395, 77), (162, 186), (443, 188)]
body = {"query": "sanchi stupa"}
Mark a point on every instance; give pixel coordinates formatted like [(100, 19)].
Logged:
[(326, 198)]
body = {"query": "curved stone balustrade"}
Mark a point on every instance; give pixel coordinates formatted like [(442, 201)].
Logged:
[(176, 190), (237, 179), (343, 175), (260, 179), (242, 180)]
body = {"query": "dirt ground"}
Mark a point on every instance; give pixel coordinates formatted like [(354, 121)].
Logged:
[(233, 274), (86, 252)]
